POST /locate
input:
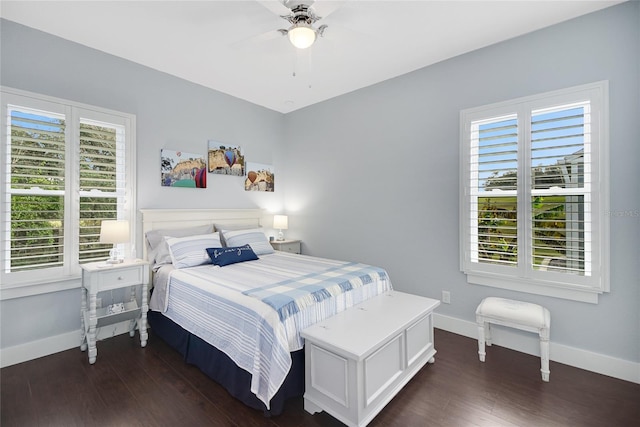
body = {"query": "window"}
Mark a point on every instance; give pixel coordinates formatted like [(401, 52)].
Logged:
[(66, 168), (534, 193)]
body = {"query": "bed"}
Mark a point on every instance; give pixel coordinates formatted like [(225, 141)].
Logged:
[(240, 322)]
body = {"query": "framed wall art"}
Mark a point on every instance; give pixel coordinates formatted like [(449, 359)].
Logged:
[(180, 169), (259, 177), (225, 159)]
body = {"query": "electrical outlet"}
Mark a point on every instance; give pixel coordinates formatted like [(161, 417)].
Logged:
[(446, 297)]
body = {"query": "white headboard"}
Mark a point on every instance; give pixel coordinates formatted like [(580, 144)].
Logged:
[(153, 219)]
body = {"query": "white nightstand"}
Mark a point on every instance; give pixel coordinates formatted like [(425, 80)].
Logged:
[(291, 246), (100, 276)]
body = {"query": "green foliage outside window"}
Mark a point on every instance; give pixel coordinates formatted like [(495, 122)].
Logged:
[(37, 168), (557, 235)]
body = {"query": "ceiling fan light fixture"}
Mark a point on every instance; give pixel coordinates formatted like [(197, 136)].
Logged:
[(302, 35)]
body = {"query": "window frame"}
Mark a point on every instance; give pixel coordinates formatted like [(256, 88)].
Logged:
[(524, 278), (37, 281)]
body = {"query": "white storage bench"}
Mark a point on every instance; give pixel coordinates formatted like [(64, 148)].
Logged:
[(359, 359), (515, 314)]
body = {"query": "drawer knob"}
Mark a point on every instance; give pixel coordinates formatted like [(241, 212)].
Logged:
[(119, 277)]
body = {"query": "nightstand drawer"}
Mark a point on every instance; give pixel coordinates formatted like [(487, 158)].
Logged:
[(119, 278), (291, 246), (294, 248)]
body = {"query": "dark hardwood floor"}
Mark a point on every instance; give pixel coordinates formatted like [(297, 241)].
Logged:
[(131, 386)]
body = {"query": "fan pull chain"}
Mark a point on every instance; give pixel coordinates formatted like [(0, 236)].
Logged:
[(296, 65), (309, 62)]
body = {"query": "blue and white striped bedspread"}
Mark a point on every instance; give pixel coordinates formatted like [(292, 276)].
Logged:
[(210, 302), (294, 295)]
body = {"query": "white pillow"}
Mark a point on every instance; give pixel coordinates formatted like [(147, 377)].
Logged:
[(192, 250), (158, 251), (253, 237), (230, 227)]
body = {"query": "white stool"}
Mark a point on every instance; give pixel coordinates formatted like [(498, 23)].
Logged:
[(515, 314)]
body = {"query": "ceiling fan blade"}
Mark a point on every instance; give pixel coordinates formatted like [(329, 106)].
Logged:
[(344, 35), (257, 39), (275, 6), (324, 8)]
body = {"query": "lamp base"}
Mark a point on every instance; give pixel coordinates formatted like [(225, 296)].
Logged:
[(280, 236), (114, 256)]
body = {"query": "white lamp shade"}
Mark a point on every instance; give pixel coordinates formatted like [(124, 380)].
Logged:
[(281, 222), (112, 231), (302, 35)]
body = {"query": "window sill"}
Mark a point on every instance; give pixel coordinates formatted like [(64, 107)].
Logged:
[(38, 288), (537, 288)]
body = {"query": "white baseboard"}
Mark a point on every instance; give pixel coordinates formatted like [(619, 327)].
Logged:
[(40, 348), (525, 343), (51, 345), (529, 344)]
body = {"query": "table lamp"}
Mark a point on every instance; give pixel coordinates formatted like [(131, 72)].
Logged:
[(281, 222), (116, 232)]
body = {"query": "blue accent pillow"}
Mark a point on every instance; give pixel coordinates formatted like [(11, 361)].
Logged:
[(232, 255)]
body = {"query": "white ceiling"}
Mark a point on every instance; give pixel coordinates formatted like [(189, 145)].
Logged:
[(233, 46)]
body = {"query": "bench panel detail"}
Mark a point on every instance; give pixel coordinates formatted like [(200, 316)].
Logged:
[(359, 359)]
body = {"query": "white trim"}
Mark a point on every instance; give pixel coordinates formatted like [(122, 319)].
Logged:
[(600, 363), (66, 276), (39, 348), (55, 100), (51, 345), (22, 290), (523, 278), (529, 343), (518, 284)]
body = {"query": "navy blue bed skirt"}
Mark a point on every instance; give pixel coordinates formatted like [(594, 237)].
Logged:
[(219, 367)]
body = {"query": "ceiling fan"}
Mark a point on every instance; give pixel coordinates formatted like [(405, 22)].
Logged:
[(302, 15), (302, 34)]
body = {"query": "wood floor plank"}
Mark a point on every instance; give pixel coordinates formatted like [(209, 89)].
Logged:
[(157, 386), (133, 386), (15, 395)]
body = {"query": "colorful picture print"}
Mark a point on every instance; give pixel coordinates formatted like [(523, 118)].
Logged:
[(259, 177), (225, 159), (180, 169)]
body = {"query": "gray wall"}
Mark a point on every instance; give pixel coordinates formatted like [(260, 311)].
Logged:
[(171, 113), (377, 179)]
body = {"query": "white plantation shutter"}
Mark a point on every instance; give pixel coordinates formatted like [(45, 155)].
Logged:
[(102, 184), (560, 202), (36, 190), (534, 193), (494, 180), (66, 167)]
